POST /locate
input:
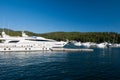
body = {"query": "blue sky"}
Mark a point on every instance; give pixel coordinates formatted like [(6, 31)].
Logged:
[(43, 16)]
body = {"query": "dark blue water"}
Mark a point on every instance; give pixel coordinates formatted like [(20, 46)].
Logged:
[(102, 64)]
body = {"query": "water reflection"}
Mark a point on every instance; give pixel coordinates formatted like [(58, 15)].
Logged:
[(102, 64), (30, 58)]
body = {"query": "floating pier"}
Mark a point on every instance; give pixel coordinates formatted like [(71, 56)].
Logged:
[(70, 49)]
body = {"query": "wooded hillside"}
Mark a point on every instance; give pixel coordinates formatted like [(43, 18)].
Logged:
[(98, 37)]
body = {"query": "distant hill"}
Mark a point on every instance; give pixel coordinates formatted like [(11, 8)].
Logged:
[(16, 33), (98, 37)]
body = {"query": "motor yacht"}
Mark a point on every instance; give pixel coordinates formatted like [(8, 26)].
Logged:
[(27, 43), (75, 43), (103, 45)]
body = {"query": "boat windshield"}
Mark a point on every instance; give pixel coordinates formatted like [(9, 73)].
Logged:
[(13, 41), (39, 40)]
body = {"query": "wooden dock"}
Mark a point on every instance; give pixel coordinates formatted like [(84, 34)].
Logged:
[(70, 49)]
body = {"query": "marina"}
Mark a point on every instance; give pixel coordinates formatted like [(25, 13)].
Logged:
[(59, 39), (37, 43)]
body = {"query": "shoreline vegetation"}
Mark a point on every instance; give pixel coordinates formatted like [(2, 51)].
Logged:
[(97, 37)]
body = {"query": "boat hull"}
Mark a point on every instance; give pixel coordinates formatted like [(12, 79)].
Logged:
[(4, 49)]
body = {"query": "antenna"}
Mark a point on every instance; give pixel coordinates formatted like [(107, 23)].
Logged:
[(23, 34)]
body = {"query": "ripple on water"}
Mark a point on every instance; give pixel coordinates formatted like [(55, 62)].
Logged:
[(98, 65)]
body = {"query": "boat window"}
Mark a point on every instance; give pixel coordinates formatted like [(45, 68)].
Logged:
[(13, 41), (38, 40), (57, 44)]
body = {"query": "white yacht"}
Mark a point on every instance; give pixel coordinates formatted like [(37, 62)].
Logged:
[(89, 44), (102, 45), (26, 43), (75, 43), (86, 44)]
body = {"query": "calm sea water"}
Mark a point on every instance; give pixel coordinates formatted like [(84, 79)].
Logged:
[(102, 64)]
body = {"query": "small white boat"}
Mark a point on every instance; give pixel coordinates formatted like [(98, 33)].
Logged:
[(115, 45), (102, 45), (77, 43), (86, 44)]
